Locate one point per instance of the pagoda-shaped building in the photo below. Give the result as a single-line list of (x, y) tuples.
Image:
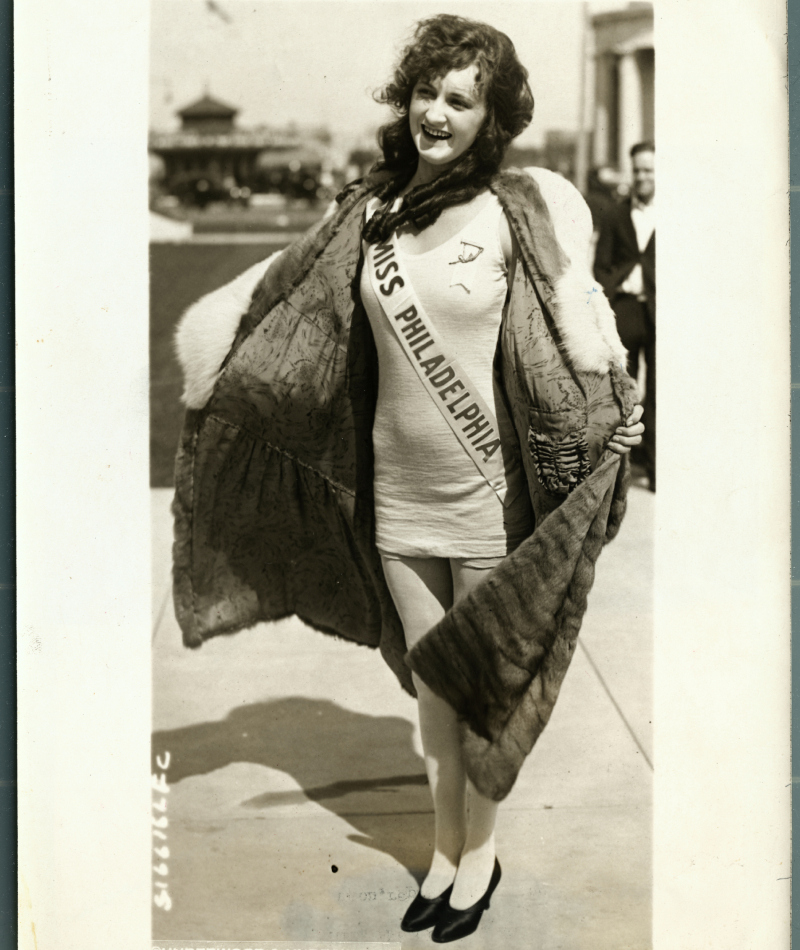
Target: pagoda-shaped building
[(209, 147), (208, 115)]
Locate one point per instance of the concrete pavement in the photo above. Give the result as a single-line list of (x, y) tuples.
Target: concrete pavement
[(299, 810)]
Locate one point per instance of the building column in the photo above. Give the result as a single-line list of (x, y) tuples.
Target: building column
[(601, 123), (582, 156), (630, 108)]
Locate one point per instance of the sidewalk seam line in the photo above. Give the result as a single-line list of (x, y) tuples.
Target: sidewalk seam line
[(160, 616), (614, 703)]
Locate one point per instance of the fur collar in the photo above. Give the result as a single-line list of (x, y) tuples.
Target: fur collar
[(207, 329), (549, 214)]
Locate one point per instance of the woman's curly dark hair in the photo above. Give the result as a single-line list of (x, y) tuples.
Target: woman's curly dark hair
[(441, 44)]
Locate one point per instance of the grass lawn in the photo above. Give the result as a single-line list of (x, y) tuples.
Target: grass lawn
[(235, 219), (179, 275)]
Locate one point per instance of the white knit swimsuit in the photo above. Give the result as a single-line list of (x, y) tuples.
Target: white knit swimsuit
[(430, 498)]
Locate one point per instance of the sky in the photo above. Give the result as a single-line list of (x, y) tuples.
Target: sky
[(316, 62)]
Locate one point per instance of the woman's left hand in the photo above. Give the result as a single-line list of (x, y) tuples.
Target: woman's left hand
[(625, 437)]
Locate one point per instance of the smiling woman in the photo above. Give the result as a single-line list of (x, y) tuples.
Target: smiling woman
[(415, 439), (463, 78), (445, 116)]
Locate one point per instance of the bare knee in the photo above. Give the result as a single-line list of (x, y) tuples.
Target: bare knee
[(430, 700), (422, 591)]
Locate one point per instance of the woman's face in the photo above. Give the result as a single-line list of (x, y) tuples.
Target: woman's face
[(445, 116)]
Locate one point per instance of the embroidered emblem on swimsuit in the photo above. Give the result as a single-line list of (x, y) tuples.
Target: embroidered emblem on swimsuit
[(469, 253)]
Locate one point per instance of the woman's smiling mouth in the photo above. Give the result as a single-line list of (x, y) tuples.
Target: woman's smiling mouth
[(438, 134)]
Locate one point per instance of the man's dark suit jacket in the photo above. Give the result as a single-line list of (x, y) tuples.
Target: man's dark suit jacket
[(618, 253)]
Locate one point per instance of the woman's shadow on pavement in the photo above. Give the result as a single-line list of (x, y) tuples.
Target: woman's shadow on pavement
[(362, 768)]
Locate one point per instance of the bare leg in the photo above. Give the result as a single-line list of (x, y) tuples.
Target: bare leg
[(422, 590), (478, 856)]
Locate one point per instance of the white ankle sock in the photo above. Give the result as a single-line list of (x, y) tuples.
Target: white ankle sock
[(473, 877), (440, 876)]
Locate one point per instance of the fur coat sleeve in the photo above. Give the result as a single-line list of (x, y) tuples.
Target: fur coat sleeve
[(586, 321)]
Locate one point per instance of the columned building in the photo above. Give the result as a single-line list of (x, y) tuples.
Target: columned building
[(624, 74)]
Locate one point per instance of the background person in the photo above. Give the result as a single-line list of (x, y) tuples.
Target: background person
[(625, 264)]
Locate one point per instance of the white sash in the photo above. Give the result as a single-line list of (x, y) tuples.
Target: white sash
[(450, 388)]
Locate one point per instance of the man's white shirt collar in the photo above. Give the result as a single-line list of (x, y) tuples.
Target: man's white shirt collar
[(644, 221)]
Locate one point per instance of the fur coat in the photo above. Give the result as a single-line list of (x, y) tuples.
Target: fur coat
[(273, 508)]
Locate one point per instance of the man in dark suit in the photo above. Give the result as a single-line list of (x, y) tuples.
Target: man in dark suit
[(625, 264)]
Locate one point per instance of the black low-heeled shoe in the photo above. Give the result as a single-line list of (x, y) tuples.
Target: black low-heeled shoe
[(423, 912), (454, 924)]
